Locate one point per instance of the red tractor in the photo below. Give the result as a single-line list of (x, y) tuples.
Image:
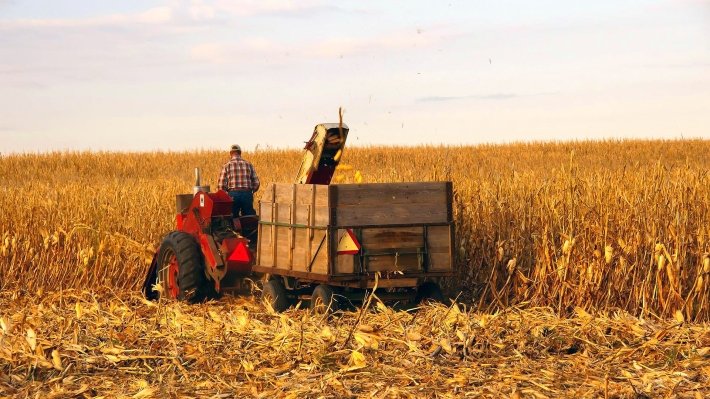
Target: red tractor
[(209, 251)]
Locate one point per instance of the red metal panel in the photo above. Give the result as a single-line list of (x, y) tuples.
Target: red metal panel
[(179, 221), (207, 252), (221, 203)]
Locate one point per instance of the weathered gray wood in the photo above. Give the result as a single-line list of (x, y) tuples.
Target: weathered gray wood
[(283, 192), (379, 194), (300, 248), (440, 261), (347, 264), (299, 210), (389, 214), (392, 237), (265, 256), (402, 262), (439, 236), (439, 247), (308, 193), (274, 230), (320, 259)]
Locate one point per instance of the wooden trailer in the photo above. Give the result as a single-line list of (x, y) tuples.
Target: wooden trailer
[(327, 243)]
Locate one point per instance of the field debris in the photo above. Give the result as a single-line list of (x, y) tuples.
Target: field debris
[(106, 344)]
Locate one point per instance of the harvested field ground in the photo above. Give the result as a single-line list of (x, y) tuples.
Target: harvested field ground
[(78, 344)]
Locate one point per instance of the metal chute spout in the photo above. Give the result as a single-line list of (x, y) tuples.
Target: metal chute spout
[(322, 153), (198, 183)]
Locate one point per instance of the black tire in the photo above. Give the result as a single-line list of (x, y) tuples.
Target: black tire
[(192, 284), (323, 300), (275, 294), (429, 292)]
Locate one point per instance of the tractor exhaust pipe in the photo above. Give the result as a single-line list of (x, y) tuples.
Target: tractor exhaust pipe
[(198, 185)]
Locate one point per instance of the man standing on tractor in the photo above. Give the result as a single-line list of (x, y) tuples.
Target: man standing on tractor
[(239, 180)]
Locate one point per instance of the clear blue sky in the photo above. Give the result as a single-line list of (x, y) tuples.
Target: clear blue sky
[(185, 74)]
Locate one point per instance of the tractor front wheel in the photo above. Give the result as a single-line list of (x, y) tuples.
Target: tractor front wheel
[(181, 269)]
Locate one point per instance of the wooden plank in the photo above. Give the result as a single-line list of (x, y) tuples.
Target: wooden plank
[(266, 246), (381, 283), (291, 233), (301, 247), (309, 238), (439, 236), (268, 195), (321, 216), (282, 247), (318, 216), (392, 237), (393, 282), (384, 215), (347, 264), (308, 193), (265, 211), (332, 232), (320, 261), (301, 262), (439, 247), (304, 192), (283, 215), (440, 261), (259, 245), (283, 193), (405, 263), (385, 194), (274, 216), (292, 273)]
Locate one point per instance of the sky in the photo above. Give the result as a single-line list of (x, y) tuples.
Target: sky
[(202, 74)]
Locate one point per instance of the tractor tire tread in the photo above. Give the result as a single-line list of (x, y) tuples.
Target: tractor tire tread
[(193, 284)]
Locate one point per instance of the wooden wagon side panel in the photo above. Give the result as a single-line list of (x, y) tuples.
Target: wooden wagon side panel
[(292, 232), (390, 204), (403, 227), (265, 245)]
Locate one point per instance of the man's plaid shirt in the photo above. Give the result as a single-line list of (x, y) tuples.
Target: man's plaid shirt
[(238, 174)]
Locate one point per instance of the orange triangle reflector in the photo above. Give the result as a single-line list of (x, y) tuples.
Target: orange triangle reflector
[(348, 244), (240, 253)]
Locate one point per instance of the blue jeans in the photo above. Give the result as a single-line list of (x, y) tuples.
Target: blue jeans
[(243, 204)]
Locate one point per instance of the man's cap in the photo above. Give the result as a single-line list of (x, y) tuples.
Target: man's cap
[(235, 147)]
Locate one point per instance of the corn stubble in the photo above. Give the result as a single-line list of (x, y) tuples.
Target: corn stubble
[(104, 344), (544, 234)]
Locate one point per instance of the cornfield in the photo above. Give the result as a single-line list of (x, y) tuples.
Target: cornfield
[(562, 248)]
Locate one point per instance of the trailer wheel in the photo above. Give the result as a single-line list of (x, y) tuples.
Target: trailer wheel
[(323, 301), (275, 294), (430, 292), (181, 270)]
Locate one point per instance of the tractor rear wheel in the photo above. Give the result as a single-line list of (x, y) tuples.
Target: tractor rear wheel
[(323, 300), (429, 292), (181, 271), (274, 293)]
